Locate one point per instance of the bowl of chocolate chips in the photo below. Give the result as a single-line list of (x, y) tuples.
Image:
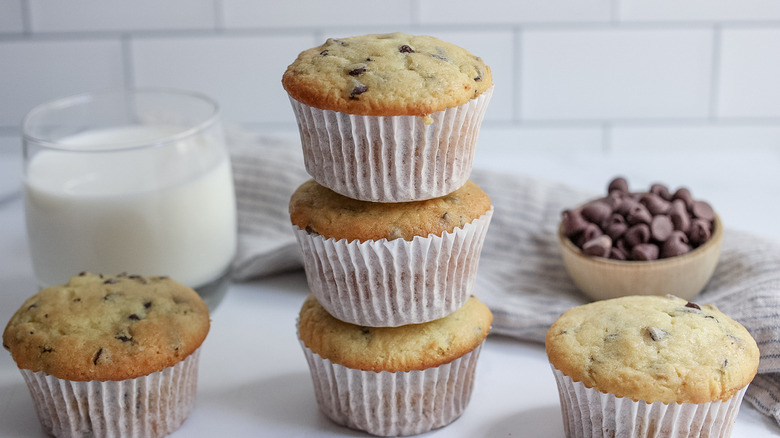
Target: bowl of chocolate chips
[(653, 242)]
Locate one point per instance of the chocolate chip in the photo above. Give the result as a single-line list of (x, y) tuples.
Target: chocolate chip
[(638, 234), (684, 195), (97, 356), (692, 305), (615, 226), (625, 205), (365, 330), (76, 300), (644, 252), (590, 232), (147, 304), (679, 215), (655, 204), (32, 306), (699, 232), (655, 333), (675, 245), (617, 254), (661, 190), (111, 281), (324, 52), (405, 49), (358, 90), (124, 338), (311, 230), (598, 247), (618, 184), (134, 317), (573, 222), (596, 211), (702, 210), (661, 228), (638, 214), (82, 273), (46, 349), (357, 71)]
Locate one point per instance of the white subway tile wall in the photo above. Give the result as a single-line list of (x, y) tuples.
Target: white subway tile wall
[(606, 77)]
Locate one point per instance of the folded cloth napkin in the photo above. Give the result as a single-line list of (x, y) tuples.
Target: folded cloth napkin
[(521, 275)]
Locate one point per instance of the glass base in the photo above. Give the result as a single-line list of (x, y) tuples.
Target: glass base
[(214, 291)]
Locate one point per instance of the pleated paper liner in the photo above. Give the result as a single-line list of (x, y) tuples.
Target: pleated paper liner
[(391, 158), (589, 413), (393, 403), (388, 283), (149, 406)]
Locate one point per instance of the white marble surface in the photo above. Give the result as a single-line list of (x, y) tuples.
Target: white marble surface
[(254, 380)]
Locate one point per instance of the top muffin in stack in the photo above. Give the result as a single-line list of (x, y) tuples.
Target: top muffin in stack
[(391, 117)]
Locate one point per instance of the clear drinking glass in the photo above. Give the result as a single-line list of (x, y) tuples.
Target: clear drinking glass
[(135, 181)]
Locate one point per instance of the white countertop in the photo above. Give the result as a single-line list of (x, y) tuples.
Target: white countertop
[(254, 380)]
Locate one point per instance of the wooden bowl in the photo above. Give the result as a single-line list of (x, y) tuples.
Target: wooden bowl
[(684, 276)]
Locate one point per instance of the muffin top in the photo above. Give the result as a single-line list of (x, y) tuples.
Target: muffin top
[(322, 211), (653, 348), (386, 75), (403, 348), (99, 327)]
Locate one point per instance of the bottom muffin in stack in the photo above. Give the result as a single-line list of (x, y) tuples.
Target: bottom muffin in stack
[(393, 380), (650, 366), (110, 355)]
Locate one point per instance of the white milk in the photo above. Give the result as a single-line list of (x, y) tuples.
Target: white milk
[(137, 211)]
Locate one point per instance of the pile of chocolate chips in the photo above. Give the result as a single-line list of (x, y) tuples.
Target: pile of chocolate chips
[(639, 226)]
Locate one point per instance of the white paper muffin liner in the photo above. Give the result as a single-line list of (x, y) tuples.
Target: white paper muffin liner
[(391, 158), (154, 405), (388, 283), (590, 413), (390, 404)]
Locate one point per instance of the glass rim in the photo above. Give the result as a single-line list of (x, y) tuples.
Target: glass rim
[(85, 97)]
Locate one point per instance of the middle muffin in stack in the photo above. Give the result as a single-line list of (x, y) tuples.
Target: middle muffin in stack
[(390, 228)]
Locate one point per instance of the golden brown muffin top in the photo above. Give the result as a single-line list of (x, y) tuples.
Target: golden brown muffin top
[(317, 209), (99, 327), (653, 348), (404, 348), (386, 75)]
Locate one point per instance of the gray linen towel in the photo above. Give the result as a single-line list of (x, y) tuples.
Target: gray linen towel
[(521, 275)]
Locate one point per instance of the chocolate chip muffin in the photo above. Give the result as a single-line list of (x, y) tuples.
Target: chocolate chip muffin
[(380, 264), (390, 117), (393, 380), (319, 210), (386, 75), (650, 353), (128, 335)]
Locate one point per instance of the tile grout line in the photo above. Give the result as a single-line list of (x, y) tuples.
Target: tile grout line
[(26, 19), (516, 74), (717, 48), (127, 60)]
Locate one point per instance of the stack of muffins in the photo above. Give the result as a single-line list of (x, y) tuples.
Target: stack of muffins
[(390, 227)]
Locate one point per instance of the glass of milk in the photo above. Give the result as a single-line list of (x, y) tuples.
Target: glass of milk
[(135, 181)]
